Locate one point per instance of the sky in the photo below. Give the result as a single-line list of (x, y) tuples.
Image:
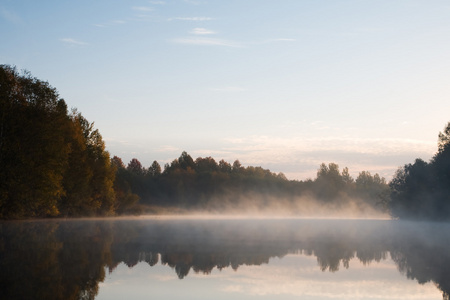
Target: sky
[(285, 85), (294, 276)]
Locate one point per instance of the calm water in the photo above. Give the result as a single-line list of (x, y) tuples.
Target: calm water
[(224, 259)]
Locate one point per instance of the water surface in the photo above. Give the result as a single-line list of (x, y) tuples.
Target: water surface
[(178, 258)]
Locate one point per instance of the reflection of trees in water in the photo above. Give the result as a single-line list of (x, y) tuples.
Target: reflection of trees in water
[(34, 251), (66, 260), (44, 260), (424, 255)]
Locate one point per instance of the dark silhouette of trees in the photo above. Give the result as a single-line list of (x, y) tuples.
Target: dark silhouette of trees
[(135, 167), (51, 162), (329, 183), (154, 170), (206, 165), (332, 186), (34, 147), (236, 166), (374, 189), (224, 166), (441, 168), (117, 162), (422, 190), (125, 198), (444, 139), (89, 178), (204, 184), (185, 161)]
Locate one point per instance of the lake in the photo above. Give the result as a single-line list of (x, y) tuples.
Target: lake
[(224, 258)]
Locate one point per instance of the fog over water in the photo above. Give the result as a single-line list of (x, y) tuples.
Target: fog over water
[(64, 259), (254, 205)]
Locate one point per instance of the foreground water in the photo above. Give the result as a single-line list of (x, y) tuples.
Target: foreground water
[(178, 258)]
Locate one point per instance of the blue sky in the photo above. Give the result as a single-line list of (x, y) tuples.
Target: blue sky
[(285, 85)]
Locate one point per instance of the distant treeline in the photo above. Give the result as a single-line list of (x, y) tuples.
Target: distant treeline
[(204, 184), (53, 163)]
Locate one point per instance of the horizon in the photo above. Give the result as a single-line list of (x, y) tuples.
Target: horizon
[(285, 86)]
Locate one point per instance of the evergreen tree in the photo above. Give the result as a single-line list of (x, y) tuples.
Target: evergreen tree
[(422, 190)]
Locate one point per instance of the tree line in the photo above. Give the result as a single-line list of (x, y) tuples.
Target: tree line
[(204, 184), (53, 163)]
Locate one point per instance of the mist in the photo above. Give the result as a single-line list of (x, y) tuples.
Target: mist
[(82, 252), (257, 205)]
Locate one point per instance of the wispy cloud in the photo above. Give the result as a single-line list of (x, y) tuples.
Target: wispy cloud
[(196, 19), (168, 148), (201, 31), (111, 23), (71, 41), (203, 41), (157, 2), (207, 42), (301, 156), (374, 146), (143, 8)]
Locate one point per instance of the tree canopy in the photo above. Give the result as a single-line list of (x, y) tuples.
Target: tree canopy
[(52, 162), (422, 190), (204, 184)]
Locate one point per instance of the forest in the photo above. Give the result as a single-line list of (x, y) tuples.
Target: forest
[(53, 163)]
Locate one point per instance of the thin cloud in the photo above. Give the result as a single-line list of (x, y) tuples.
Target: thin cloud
[(305, 154), (157, 2), (207, 42), (201, 31), (168, 148), (196, 19), (71, 41), (119, 21), (211, 152), (200, 41), (373, 146)]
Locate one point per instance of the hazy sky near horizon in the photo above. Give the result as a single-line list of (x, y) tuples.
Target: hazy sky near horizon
[(285, 85)]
